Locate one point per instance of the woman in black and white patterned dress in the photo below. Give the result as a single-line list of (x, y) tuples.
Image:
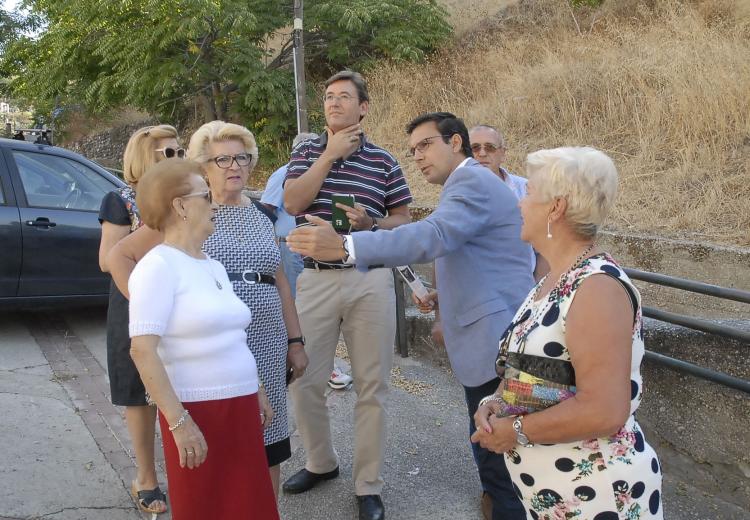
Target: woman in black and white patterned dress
[(244, 242)]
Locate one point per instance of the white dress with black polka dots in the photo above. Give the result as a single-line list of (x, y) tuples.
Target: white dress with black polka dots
[(615, 478), (244, 240)]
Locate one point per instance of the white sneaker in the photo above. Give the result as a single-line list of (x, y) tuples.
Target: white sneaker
[(339, 380)]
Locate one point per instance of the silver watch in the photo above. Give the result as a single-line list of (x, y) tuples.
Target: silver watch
[(520, 436)]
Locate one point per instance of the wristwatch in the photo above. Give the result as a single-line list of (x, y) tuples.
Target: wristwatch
[(520, 436), (298, 339), (374, 226)]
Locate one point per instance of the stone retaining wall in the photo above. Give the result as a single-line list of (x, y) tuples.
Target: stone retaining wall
[(107, 147)]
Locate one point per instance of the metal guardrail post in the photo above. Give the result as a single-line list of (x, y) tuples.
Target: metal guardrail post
[(401, 338)]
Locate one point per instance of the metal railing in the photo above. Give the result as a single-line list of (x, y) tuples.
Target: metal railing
[(682, 320), (691, 322)]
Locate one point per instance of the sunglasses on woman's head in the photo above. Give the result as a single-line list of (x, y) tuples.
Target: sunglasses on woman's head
[(170, 152)]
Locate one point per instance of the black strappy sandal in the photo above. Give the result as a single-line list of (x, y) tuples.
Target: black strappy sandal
[(146, 497)]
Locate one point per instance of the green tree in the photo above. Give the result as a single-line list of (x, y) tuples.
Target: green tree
[(167, 57)]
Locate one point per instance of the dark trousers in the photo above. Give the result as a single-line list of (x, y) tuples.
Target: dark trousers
[(492, 471)]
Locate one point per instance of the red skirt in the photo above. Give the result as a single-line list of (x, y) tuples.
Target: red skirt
[(233, 483)]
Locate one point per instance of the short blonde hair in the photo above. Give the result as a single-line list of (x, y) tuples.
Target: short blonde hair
[(218, 131), (160, 185), (584, 176), (139, 153)]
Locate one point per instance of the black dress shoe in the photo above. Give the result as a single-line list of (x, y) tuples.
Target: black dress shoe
[(370, 507), (305, 480)]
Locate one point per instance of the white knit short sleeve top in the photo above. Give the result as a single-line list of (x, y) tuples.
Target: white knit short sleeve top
[(189, 303)]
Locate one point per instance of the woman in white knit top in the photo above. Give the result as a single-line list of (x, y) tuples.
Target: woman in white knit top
[(189, 345)]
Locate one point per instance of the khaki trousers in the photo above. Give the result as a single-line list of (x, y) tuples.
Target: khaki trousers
[(362, 306)]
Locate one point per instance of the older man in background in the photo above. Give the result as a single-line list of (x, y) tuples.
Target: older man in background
[(488, 147)]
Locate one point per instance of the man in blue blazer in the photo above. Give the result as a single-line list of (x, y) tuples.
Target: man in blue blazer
[(482, 266)]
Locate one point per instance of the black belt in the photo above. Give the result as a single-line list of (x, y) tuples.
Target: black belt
[(251, 278), (312, 264)]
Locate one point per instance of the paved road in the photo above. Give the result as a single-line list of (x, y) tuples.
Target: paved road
[(67, 456)]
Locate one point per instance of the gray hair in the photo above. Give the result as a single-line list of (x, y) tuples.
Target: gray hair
[(500, 136), (584, 176), (302, 137)]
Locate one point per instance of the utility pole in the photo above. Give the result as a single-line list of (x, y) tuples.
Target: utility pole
[(299, 68)]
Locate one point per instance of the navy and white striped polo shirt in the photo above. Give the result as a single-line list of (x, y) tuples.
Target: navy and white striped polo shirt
[(371, 174)]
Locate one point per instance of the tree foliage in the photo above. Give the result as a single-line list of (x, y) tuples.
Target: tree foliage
[(170, 56)]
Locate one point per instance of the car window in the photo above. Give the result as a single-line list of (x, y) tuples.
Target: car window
[(51, 181)]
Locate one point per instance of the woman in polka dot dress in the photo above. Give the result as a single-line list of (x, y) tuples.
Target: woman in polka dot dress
[(584, 458)]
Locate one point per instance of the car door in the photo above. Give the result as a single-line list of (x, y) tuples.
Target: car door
[(59, 200), (10, 235)]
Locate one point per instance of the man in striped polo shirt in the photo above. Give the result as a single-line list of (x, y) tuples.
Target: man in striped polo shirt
[(333, 297)]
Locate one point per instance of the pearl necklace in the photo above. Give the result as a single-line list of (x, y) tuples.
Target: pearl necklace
[(210, 269)]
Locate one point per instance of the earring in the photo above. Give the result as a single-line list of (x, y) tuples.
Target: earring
[(549, 232), (184, 218)]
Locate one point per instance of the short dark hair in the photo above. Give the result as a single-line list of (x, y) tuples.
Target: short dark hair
[(447, 125), (354, 77)]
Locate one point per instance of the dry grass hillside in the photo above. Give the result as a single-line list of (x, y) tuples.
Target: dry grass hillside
[(663, 86)]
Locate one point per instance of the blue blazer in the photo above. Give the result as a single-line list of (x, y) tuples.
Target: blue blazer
[(483, 267)]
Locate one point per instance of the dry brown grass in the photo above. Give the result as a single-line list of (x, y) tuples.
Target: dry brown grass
[(663, 86)]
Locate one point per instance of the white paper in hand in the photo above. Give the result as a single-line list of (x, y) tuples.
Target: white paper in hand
[(413, 281)]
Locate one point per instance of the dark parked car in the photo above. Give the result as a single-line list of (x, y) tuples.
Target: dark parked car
[(49, 231)]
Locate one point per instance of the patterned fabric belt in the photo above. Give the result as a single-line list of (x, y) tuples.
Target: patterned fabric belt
[(251, 278)]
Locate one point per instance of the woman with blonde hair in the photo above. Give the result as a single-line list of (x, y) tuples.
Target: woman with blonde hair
[(119, 217), (244, 242), (564, 414), (190, 346)]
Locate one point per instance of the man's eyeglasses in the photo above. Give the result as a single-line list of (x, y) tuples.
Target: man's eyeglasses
[(488, 147), (225, 161), (170, 152), (205, 194), (422, 145), (343, 98)]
